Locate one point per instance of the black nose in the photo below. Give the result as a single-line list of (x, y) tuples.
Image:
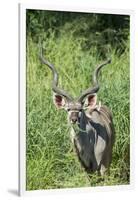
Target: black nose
[(74, 120)]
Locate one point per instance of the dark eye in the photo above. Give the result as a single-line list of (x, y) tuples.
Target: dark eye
[(68, 109)]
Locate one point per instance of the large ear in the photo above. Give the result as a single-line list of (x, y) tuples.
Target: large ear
[(90, 101), (59, 101)]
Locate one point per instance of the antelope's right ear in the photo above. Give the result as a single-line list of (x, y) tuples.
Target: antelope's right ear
[(59, 101)]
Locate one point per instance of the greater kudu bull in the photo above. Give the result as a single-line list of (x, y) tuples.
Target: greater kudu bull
[(92, 130)]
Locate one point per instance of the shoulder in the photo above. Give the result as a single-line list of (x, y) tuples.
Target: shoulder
[(104, 110)]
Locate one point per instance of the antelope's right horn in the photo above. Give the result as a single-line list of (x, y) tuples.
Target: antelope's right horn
[(55, 87)]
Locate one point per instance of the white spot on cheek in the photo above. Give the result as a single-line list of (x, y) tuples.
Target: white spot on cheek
[(72, 134), (79, 114)]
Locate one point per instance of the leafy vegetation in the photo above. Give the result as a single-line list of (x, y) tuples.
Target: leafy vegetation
[(75, 44)]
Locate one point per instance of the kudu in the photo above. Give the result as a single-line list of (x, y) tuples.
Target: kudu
[(92, 130)]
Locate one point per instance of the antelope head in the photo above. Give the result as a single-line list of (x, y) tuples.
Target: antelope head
[(74, 107)]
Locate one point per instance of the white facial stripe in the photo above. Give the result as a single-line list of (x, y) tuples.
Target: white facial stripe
[(71, 111)]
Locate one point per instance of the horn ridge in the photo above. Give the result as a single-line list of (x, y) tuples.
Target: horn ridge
[(96, 88), (55, 87)]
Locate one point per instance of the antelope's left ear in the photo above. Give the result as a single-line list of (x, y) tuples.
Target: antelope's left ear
[(90, 101)]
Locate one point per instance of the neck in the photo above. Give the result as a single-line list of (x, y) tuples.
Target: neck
[(81, 126)]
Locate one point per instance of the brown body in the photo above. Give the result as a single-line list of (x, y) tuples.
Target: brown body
[(92, 131), (95, 139)]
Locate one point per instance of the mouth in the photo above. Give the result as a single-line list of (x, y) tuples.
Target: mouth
[(75, 123)]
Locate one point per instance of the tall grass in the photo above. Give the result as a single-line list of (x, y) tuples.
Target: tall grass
[(51, 163)]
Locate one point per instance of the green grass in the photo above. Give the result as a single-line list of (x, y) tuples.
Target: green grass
[(51, 163)]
